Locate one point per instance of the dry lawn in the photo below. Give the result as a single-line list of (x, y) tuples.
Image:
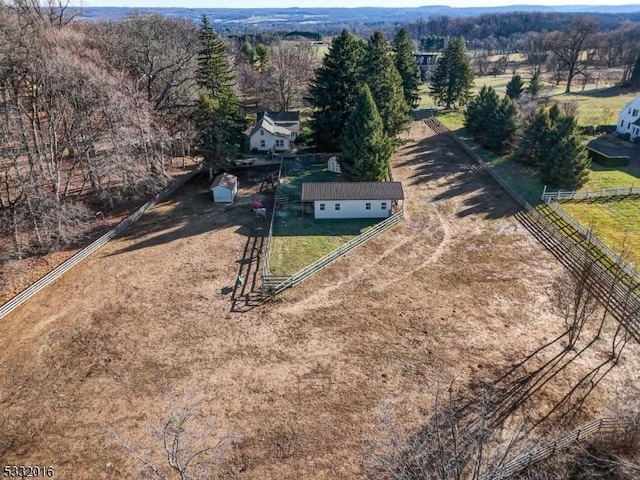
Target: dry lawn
[(458, 289)]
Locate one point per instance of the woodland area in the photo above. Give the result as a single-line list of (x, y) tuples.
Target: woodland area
[(93, 113)]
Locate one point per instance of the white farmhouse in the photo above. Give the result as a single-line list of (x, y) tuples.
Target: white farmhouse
[(629, 119), (352, 199), (224, 188), (275, 135)]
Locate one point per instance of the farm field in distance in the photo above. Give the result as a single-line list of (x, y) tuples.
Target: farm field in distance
[(458, 289)]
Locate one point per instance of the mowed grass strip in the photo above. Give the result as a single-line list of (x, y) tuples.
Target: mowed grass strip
[(616, 222), (298, 242)]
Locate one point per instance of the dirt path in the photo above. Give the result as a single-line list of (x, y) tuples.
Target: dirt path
[(457, 288)]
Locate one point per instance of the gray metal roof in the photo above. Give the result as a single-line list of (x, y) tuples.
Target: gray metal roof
[(268, 124), (352, 191), (225, 180), (282, 116)]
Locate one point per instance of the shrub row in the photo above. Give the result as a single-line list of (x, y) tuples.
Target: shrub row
[(606, 160)]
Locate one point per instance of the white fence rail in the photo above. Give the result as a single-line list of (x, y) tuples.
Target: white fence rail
[(539, 454), (64, 267), (590, 194), (275, 285)]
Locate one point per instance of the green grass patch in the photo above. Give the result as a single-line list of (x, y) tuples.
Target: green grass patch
[(598, 107), (298, 242), (603, 177), (616, 222)]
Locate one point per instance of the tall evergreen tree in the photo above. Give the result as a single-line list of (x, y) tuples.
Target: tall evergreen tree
[(566, 163), (503, 127), (535, 85), (515, 87), (452, 79), (214, 74), (407, 67), (634, 80), (218, 118), (381, 75), (479, 112), (530, 148), (334, 89), (366, 148)]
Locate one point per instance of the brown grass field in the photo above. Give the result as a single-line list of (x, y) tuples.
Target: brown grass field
[(459, 288)]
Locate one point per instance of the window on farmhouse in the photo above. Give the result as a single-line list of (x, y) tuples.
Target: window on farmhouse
[(383, 206), (367, 206), (322, 206), (262, 144), (337, 206), (261, 132)]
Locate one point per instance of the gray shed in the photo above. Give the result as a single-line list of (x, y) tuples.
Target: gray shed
[(224, 188)]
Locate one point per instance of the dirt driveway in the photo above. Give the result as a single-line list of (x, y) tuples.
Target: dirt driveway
[(458, 289)]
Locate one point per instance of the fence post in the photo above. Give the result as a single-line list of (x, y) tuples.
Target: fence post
[(544, 192)]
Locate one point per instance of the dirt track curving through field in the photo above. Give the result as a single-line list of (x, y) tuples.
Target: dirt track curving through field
[(456, 289)]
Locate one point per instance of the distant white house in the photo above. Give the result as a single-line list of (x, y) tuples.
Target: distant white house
[(275, 131), (352, 199), (629, 119), (224, 188)]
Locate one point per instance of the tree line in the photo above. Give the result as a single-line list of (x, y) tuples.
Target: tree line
[(361, 97)]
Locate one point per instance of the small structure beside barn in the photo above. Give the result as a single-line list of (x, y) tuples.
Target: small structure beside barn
[(353, 199), (629, 119), (224, 188), (333, 165)]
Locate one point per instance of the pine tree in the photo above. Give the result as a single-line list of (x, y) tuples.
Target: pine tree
[(566, 162), (214, 74), (479, 113), (503, 127), (385, 83), (407, 67), (218, 117), (334, 89), (366, 148), (535, 85), (515, 87), (452, 79), (634, 80), (530, 148)]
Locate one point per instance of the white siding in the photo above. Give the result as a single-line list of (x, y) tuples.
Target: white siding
[(224, 194), (629, 114), (352, 209), (269, 142)]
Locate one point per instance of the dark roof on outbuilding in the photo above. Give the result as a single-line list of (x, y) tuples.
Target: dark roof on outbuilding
[(352, 191)]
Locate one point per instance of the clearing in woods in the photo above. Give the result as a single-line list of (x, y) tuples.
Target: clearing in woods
[(458, 288)]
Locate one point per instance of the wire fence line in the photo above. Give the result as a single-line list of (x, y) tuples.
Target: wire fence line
[(590, 194), (275, 285), (87, 251), (534, 456)]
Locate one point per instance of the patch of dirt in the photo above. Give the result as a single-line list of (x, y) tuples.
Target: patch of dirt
[(459, 288), (17, 275)]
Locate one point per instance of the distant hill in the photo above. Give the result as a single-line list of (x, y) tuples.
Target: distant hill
[(242, 18)]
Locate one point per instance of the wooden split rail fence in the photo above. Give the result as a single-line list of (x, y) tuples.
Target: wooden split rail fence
[(591, 194), (274, 285), (267, 247), (539, 454), (610, 280), (64, 267)]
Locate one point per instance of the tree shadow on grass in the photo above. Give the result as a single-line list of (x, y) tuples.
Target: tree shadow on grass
[(440, 160)]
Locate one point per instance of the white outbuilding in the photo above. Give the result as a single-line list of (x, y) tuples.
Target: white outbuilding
[(629, 119), (353, 199), (224, 188)]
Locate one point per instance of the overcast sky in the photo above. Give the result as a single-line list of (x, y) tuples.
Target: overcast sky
[(337, 3)]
